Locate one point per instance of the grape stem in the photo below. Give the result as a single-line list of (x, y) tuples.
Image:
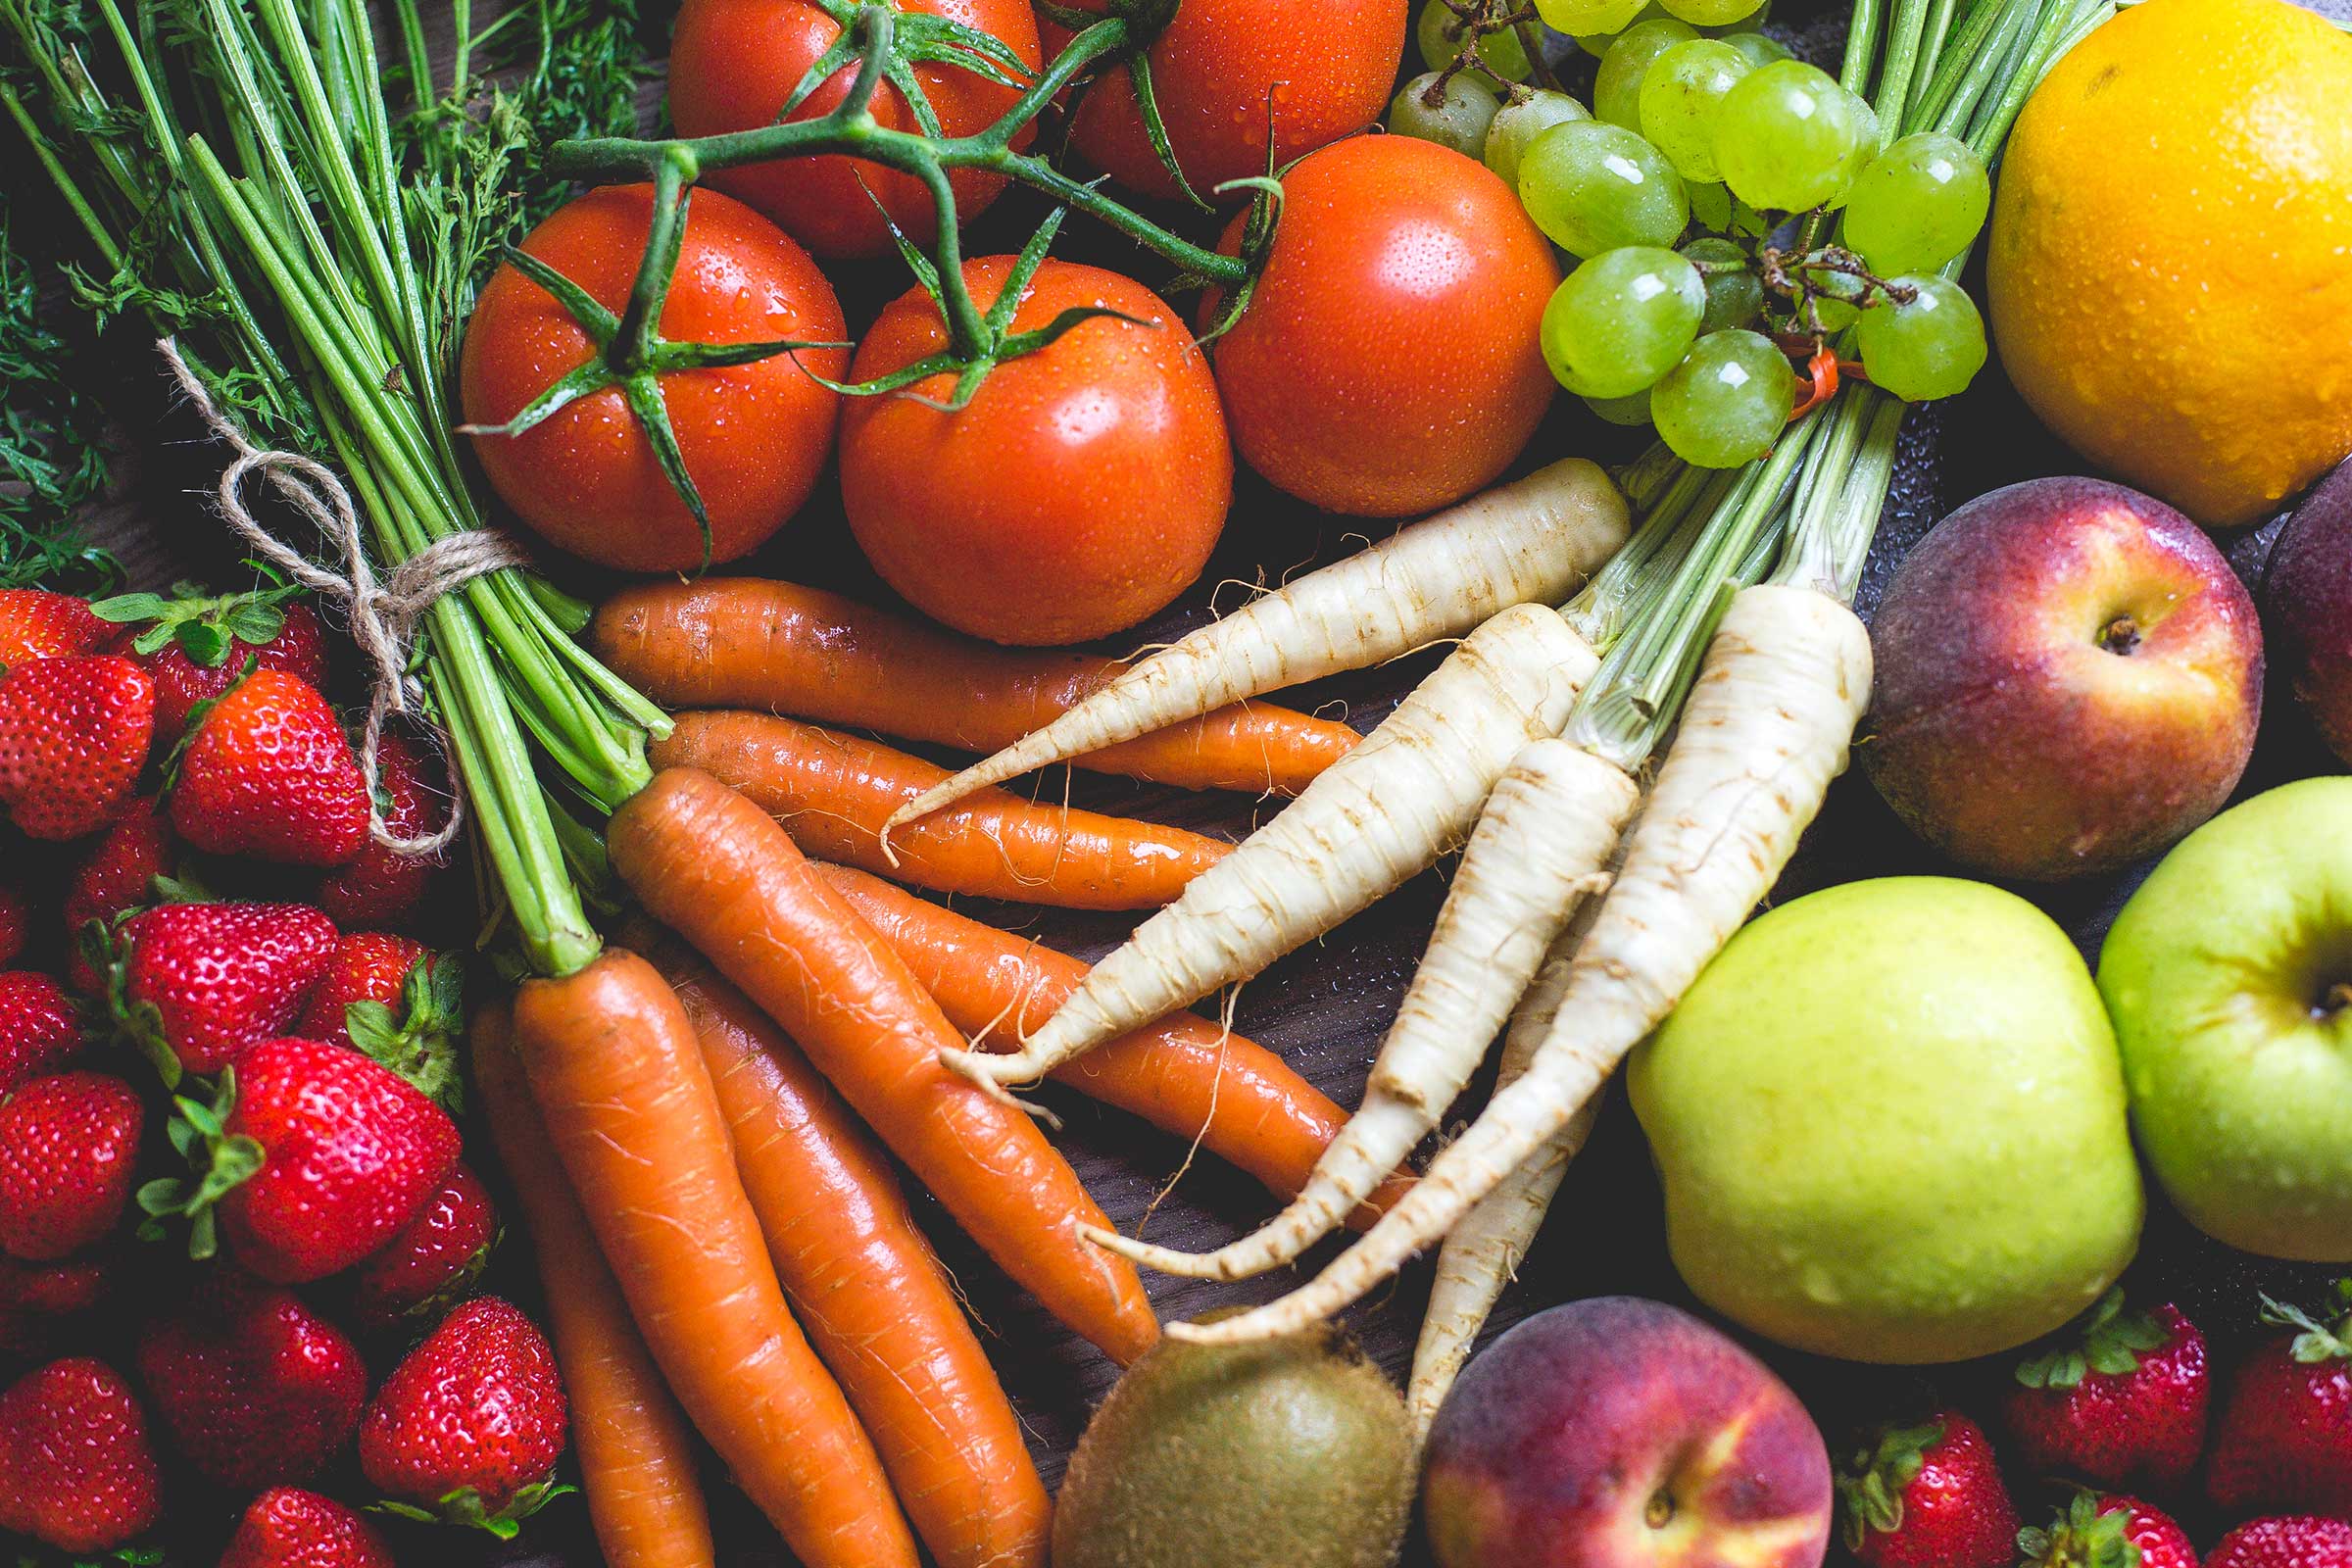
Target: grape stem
[(1474, 23)]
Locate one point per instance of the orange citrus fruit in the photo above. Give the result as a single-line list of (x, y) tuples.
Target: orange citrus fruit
[(2170, 260)]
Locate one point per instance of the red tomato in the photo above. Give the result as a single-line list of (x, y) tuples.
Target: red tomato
[(1388, 362), (1078, 492), (732, 64), (1326, 68), (755, 436)]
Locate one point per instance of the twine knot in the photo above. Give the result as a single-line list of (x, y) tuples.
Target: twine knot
[(382, 613)]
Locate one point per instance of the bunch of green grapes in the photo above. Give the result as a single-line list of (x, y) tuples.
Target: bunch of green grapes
[(1701, 150)]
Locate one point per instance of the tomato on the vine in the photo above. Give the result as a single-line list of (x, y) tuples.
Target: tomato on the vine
[(1080, 490), (1224, 70), (732, 64), (754, 437), (1388, 362)]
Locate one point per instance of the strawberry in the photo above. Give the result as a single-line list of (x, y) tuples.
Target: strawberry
[(67, 1147), (469, 1427), (2305, 1541), (35, 623), (381, 886), (2122, 1403), (311, 1155), (1929, 1496), (2283, 1441), (16, 923), (196, 647), (2109, 1531), (119, 877), (194, 985), (54, 1289), (253, 1387), (287, 1528), (389, 998), (430, 1263), (75, 1470), (74, 735), (39, 1030), (267, 771)]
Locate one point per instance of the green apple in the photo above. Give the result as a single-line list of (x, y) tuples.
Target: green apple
[(2229, 978), (1892, 1125)]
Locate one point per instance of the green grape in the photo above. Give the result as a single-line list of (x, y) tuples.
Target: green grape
[(1836, 300), (1588, 19), (1866, 147), (1596, 42), (1930, 348), (1617, 90), (1726, 402), (1734, 293), (1458, 120), (1783, 134), (1710, 12), (1621, 320), (1628, 411), (1594, 187), (1677, 100), (1759, 49), (1710, 205), (1439, 34), (1919, 204), (1517, 125)]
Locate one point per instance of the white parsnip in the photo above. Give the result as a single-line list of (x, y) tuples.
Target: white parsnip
[(1372, 820), (1533, 541), (1548, 829), (1768, 725)]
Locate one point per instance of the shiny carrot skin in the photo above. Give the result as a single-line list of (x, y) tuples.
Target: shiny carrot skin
[(875, 1303), (719, 870), (749, 642), (637, 1454), (1184, 1075), (833, 791), (617, 1074)]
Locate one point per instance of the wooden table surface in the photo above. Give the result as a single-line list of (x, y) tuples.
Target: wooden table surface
[(1327, 1007)]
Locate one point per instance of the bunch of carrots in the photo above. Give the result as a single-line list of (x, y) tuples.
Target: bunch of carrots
[(697, 1120)]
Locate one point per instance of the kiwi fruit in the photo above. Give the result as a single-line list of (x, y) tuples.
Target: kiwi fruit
[(1279, 1454)]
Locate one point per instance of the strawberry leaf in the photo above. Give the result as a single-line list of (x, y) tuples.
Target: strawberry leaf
[(1870, 1490), (2313, 1343)]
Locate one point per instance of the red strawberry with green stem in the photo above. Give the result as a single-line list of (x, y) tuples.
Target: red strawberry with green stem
[(389, 998), (435, 1261), (68, 1146), (1929, 1496), (2304, 1541), (2282, 1443), (193, 985), (381, 886), (119, 877), (289, 1527), (40, 1028), (252, 1387), (2123, 1402), (35, 623), (74, 735), (310, 1155), (197, 646), (470, 1425), (75, 1469), (2109, 1531), (267, 771)]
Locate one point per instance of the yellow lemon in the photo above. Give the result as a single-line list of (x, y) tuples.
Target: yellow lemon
[(2170, 260)]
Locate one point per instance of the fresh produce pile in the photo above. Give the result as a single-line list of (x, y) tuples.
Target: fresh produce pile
[(723, 1049)]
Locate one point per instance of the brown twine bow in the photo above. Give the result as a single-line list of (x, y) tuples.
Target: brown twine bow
[(382, 613)]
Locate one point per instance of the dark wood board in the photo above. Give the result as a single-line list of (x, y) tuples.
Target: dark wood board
[(1326, 1007)]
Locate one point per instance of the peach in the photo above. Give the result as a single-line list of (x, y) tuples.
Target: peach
[(1623, 1433), (2309, 589)]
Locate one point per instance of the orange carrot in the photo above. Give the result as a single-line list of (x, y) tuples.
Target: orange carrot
[(833, 792), (746, 642), (1183, 1074), (877, 1306), (712, 865), (637, 1457), (620, 1086)]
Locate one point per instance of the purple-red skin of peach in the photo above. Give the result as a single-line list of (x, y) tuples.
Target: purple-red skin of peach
[(2309, 589), (2006, 731), (1624, 1432)]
